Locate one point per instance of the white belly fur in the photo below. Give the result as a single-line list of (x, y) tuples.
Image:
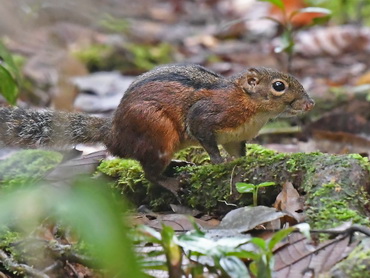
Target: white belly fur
[(246, 131)]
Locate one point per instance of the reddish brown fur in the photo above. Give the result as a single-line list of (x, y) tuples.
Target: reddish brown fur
[(172, 107)]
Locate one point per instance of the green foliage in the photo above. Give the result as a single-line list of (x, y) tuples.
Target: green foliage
[(146, 57), (9, 76), (287, 37), (131, 58), (26, 167), (94, 56), (226, 254), (277, 3), (243, 187), (346, 11), (88, 208)]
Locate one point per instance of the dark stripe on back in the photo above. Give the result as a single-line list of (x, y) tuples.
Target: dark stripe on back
[(193, 76)]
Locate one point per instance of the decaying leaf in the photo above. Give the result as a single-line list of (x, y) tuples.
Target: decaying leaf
[(82, 165), (247, 218), (179, 222), (290, 201), (300, 258)]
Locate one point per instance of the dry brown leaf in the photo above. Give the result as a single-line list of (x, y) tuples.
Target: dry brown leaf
[(179, 222), (290, 201), (299, 258)]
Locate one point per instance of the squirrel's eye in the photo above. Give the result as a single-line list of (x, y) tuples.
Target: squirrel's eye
[(278, 86)]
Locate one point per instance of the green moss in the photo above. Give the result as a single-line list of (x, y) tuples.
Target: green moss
[(364, 161), (203, 192), (330, 196), (196, 155), (146, 57), (26, 167), (130, 181), (332, 204), (94, 56), (7, 238), (331, 213), (131, 58), (128, 172)]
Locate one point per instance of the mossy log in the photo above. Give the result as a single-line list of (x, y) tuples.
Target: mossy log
[(335, 187)]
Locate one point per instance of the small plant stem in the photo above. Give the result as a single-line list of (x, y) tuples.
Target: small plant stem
[(255, 195)]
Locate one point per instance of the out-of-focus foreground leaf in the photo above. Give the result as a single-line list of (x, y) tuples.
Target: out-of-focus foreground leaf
[(87, 208), (9, 76)]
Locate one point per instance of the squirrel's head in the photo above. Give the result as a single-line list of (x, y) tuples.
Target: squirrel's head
[(275, 91)]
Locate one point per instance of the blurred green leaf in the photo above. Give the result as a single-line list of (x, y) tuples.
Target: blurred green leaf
[(265, 184), (243, 187), (263, 269), (8, 86), (287, 42), (277, 3), (322, 14), (321, 20), (86, 207), (9, 75), (234, 267), (8, 63), (314, 10), (261, 243), (244, 254), (279, 236), (148, 234), (196, 242)]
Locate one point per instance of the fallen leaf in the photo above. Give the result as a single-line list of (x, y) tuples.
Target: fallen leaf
[(290, 201), (72, 168), (247, 218), (299, 258)]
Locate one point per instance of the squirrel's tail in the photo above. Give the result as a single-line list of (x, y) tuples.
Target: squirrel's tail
[(29, 128)]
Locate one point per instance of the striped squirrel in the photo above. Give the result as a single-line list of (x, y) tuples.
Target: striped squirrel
[(167, 109)]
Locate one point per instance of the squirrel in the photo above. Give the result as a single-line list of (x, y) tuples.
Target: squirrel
[(167, 109)]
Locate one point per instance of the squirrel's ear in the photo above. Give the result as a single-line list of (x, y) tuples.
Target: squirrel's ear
[(249, 80)]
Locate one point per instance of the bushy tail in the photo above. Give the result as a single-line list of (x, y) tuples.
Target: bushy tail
[(29, 128)]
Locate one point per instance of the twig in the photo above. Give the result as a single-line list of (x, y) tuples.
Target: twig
[(60, 251), (347, 232), (13, 266), (72, 268), (66, 252), (52, 267)]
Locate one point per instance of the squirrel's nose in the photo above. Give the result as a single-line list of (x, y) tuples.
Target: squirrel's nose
[(309, 105)]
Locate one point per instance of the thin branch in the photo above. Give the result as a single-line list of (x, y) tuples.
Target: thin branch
[(13, 266)]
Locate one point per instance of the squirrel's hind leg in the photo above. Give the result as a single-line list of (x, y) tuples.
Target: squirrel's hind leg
[(156, 139)]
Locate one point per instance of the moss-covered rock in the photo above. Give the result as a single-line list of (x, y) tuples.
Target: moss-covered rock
[(335, 187), (26, 167)]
